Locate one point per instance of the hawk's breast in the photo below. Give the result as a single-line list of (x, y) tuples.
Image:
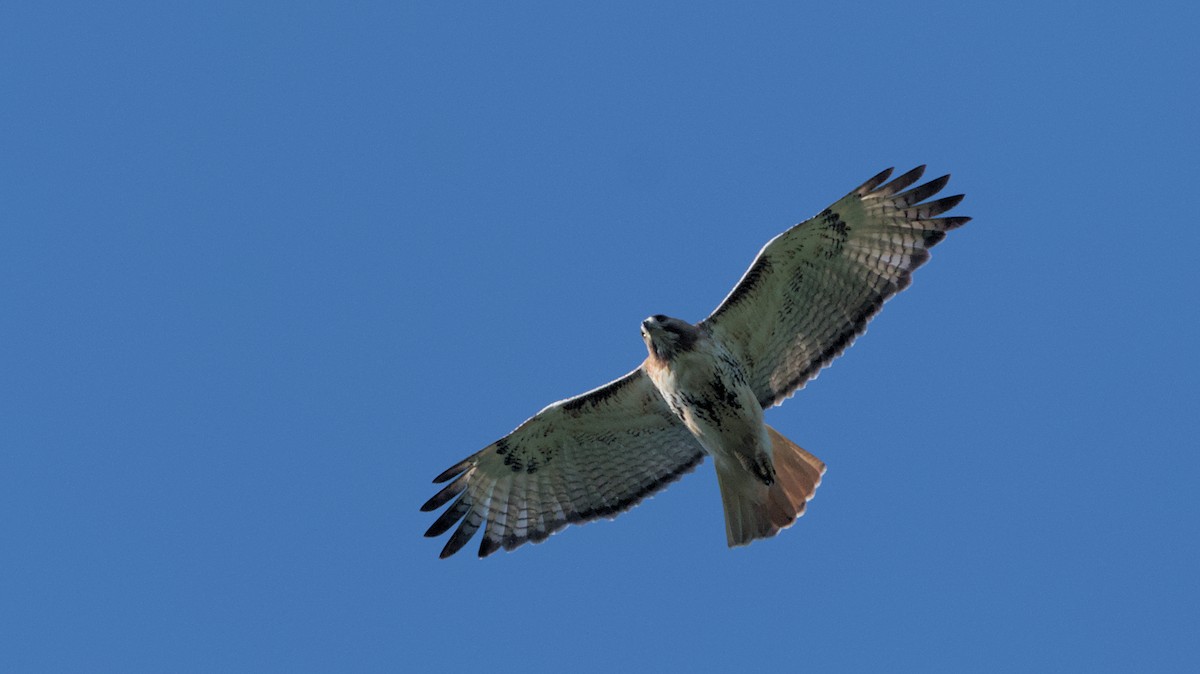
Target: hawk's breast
[(707, 389)]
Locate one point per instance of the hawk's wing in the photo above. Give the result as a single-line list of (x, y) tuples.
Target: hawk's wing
[(591, 456), (812, 289)]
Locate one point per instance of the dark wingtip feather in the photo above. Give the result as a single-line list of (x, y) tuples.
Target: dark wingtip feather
[(487, 546), (874, 182), (448, 517), (460, 537), (921, 192), (448, 492), (954, 222), (902, 182), (452, 471), (933, 208)]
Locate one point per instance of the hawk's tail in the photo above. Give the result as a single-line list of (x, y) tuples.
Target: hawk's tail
[(752, 509)]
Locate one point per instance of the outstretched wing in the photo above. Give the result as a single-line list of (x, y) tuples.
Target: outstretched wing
[(591, 456), (812, 289)]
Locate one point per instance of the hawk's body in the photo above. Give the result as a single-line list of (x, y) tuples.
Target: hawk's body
[(706, 387), (703, 388)]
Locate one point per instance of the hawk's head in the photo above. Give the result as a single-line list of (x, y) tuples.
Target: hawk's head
[(667, 337)]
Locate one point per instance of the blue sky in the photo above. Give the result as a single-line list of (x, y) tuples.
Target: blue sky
[(267, 269)]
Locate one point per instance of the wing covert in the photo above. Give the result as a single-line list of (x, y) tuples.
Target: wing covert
[(811, 290), (583, 458)]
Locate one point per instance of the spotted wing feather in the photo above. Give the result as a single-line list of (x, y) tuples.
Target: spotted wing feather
[(580, 459), (813, 288)]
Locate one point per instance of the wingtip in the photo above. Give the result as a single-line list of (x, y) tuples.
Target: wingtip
[(875, 181), (487, 546), (448, 517), (452, 471), (448, 492), (903, 181), (460, 537), (952, 200)]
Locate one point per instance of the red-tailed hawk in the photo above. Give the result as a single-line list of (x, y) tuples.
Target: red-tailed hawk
[(703, 388)]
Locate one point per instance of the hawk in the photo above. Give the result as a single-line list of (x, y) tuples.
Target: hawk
[(703, 388)]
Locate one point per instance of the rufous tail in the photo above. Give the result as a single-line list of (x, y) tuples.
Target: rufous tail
[(754, 510)]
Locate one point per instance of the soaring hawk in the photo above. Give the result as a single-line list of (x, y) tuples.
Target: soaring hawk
[(703, 388)]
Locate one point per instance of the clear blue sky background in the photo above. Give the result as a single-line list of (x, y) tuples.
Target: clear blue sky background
[(265, 270)]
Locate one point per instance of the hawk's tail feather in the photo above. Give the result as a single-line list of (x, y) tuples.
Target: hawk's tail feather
[(754, 510)]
